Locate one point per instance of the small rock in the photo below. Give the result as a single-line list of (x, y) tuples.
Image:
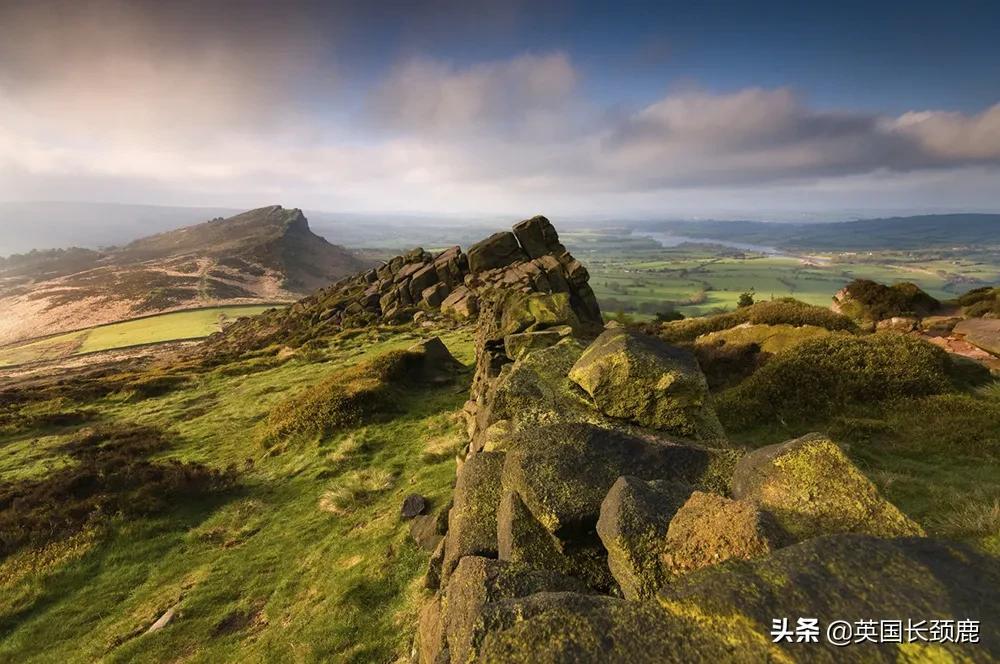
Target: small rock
[(163, 620), (413, 505), (424, 531)]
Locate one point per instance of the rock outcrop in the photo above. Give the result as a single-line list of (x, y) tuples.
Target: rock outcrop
[(598, 495), (550, 283)]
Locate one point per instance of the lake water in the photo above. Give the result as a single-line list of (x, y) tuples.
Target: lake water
[(670, 240)]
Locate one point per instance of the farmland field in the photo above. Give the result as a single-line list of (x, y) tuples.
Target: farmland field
[(636, 275), (173, 326)]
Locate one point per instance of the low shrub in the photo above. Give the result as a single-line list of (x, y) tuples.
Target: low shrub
[(57, 412), (820, 377), (870, 300), (770, 312), (355, 489), (111, 475), (980, 302), (728, 364), (948, 425), (347, 397)]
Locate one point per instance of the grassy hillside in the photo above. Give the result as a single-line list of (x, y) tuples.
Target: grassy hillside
[(305, 559), (153, 329)]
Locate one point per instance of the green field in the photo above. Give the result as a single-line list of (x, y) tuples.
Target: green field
[(636, 275), (173, 326)]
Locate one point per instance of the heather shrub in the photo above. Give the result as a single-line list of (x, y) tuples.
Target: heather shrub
[(820, 377)]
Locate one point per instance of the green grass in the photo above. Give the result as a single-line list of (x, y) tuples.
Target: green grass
[(173, 326), (637, 276), (307, 560)]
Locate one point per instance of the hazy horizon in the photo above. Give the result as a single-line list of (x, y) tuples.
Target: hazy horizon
[(575, 109)]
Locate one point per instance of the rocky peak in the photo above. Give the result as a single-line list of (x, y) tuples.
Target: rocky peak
[(452, 283)]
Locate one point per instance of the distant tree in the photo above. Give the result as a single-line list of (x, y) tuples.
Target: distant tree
[(668, 315), (746, 299)]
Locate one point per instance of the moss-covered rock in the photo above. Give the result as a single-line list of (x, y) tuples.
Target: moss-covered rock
[(430, 639), (709, 529), (472, 522), (522, 539), (477, 582), (536, 311), (519, 345), (812, 488), (535, 390), (633, 526), (770, 338), (848, 577), (564, 471), (640, 378), (568, 628)]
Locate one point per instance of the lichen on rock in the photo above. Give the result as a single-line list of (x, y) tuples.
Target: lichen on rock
[(472, 522), (709, 529), (640, 378), (633, 526), (812, 488)]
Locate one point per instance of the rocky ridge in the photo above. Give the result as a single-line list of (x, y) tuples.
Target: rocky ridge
[(454, 284), (598, 498)]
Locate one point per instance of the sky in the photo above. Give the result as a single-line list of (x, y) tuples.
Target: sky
[(778, 110)]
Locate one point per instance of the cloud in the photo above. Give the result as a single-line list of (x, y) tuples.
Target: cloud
[(139, 103), (86, 72), (954, 136), (527, 96)]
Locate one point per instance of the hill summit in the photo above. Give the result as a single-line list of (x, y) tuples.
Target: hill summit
[(264, 255)]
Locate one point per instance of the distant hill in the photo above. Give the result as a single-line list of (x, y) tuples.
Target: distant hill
[(919, 232), (264, 255), (41, 225)]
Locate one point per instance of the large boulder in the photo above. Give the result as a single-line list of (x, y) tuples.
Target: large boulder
[(472, 522), (538, 237), (563, 471), (569, 628), (537, 311), (522, 539), (633, 523), (849, 578), (709, 529), (519, 345), (498, 250), (640, 378), (812, 488), (981, 332), (477, 582), (535, 390), (461, 303), (437, 364)]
